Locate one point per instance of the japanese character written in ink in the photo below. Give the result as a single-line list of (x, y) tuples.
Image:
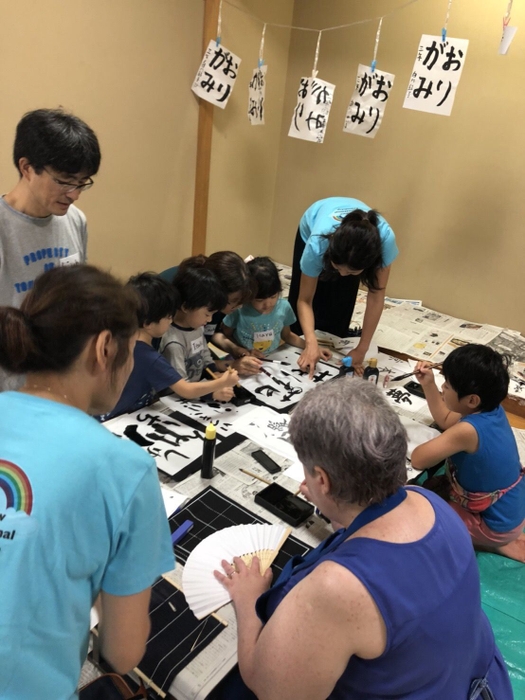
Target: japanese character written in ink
[(379, 93), (321, 376), (303, 88), (267, 390), (256, 107), (292, 391), (436, 50), (278, 425), (318, 120), (364, 84), (297, 114), (257, 81), (399, 396), (224, 60), (320, 92)]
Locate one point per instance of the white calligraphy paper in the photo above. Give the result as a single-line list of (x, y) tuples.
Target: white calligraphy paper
[(283, 384), (256, 95), (222, 415), (436, 73), (367, 106), (173, 444), (310, 117), (217, 74), (269, 429)]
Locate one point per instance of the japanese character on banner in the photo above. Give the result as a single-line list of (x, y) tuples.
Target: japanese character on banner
[(314, 101), (436, 73), (256, 94), (367, 106), (217, 75)]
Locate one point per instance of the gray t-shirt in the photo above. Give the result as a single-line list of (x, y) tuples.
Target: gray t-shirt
[(186, 350), (29, 246)]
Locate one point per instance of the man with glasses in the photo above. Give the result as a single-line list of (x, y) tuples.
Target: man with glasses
[(56, 155)]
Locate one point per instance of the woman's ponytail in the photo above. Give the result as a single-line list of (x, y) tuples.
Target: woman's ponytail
[(18, 349)]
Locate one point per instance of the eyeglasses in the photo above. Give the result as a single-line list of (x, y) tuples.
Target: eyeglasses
[(67, 186)]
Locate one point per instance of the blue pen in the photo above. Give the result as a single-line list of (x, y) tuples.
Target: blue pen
[(181, 532)]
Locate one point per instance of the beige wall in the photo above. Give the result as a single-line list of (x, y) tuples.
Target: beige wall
[(244, 157), (452, 188), (125, 66)]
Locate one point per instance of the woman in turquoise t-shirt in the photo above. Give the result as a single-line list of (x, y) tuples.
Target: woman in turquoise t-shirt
[(82, 507), (340, 243)]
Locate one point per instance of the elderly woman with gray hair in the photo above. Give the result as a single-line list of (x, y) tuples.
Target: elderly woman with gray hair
[(389, 605)]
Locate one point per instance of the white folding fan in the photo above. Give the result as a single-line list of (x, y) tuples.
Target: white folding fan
[(204, 594)]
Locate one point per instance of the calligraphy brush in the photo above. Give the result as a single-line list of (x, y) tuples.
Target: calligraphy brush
[(411, 374), (242, 395)]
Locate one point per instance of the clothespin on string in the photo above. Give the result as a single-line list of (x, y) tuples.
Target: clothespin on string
[(506, 17), (444, 30), (219, 25), (378, 34), (314, 69), (261, 47)]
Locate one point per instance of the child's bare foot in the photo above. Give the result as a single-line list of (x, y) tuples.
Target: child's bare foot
[(513, 550)]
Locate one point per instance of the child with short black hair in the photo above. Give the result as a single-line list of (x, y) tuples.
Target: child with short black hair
[(261, 325), (183, 344), (232, 273), (485, 484), (152, 373)]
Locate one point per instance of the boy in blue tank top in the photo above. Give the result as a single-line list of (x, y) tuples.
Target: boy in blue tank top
[(485, 484)]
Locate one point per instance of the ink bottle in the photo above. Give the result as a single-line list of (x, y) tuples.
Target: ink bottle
[(346, 369), (371, 373), (208, 452)]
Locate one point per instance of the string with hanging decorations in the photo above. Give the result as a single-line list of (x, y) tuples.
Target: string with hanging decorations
[(431, 88)]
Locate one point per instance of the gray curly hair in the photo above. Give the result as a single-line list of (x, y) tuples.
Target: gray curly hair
[(347, 428)]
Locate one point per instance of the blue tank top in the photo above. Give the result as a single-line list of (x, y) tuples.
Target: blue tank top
[(495, 465), (428, 593)]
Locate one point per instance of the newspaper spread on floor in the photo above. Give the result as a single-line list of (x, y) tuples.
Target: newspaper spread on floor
[(408, 327)]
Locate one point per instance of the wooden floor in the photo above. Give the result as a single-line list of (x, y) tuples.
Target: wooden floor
[(516, 421)]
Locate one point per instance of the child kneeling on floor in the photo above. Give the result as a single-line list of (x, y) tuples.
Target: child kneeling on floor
[(184, 345), (484, 477), (260, 326), (151, 371)]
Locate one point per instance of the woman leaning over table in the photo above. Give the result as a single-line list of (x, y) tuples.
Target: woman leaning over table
[(387, 607), (340, 242), (83, 508)]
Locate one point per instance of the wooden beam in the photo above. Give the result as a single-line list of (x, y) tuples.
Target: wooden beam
[(204, 137)]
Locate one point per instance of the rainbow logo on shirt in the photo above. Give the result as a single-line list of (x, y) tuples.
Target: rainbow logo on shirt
[(15, 484)]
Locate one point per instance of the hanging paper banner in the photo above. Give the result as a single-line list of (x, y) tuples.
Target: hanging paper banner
[(367, 106), (436, 73), (256, 94), (314, 101), (217, 74)]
